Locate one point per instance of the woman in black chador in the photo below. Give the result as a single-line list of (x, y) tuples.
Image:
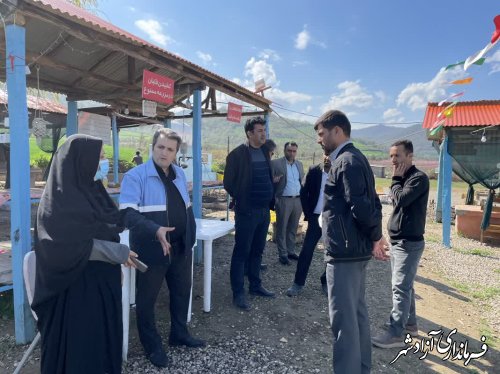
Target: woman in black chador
[(78, 256)]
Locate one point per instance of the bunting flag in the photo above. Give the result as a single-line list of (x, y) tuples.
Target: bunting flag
[(434, 131), (494, 39), (496, 33), (462, 81), (448, 111), (478, 62), (451, 97)]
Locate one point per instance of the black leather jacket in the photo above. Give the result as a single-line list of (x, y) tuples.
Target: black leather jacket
[(352, 217)]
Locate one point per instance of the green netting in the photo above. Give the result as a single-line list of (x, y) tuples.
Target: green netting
[(463, 174), (478, 154)]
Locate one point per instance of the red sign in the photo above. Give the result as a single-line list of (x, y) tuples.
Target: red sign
[(234, 112), (156, 87)]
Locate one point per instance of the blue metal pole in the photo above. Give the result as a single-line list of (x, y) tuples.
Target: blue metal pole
[(439, 194), (20, 211), (167, 123), (447, 179), (72, 118), (116, 148), (266, 117), (197, 172)]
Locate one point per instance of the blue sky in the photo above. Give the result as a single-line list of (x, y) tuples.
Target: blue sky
[(377, 60)]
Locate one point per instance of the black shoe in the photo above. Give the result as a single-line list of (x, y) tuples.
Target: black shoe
[(324, 288), (241, 302), (261, 291), (158, 358), (293, 256), (187, 341), (263, 266), (284, 260)]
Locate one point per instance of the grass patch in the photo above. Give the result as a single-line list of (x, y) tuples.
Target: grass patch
[(476, 292), (7, 305), (491, 338), (481, 252), (497, 271)]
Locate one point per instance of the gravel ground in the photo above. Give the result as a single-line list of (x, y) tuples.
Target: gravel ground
[(291, 335)]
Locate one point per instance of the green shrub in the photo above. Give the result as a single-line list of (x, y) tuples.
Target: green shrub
[(40, 162)]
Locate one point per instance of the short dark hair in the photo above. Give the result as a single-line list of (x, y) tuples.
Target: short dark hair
[(271, 145), (334, 118), (407, 145), (137, 153), (292, 144), (251, 122), (169, 134)]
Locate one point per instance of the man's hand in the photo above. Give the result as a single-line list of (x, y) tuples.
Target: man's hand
[(277, 178), (380, 248), (129, 261), (161, 235), (399, 170)]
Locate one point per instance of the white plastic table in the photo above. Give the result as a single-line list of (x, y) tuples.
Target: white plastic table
[(208, 230)]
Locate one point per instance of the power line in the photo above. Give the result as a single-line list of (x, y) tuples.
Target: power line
[(357, 122)]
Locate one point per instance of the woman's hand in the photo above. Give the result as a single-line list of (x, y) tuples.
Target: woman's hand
[(129, 261)]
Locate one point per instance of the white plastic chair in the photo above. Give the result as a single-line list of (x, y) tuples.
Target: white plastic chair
[(29, 270)]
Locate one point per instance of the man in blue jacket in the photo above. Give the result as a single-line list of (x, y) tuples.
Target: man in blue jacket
[(155, 206), (352, 233), (406, 227), (248, 180)]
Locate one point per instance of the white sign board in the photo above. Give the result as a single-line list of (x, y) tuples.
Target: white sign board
[(149, 108), (95, 125), (4, 138)]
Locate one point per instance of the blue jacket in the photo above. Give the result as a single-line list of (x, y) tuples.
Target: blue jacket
[(143, 203)]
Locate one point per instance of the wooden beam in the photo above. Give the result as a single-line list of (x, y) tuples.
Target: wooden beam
[(209, 115), (151, 57), (96, 65), (131, 70)]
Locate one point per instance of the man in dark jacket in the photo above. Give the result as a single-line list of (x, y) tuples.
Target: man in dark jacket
[(352, 232), (248, 179), (311, 198), (409, 192)]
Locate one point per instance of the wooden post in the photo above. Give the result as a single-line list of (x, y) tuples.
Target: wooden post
[(197, 172), (72, 118), (20, 209), (116, 149), (446, 174), (266, 117)]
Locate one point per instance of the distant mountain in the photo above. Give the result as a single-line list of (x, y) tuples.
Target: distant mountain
[(382, 136)]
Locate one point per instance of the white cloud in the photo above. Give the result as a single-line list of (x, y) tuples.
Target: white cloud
[(393, 115), (270, 54), (494, 60), (352, 96), (205, 57), (154, 30), (290, 97), (416, 95), (302, 39), (299, 63), (260, 69), (131, 8)]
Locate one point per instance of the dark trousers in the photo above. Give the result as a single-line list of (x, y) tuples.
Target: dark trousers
[(250, 239), (177, 273), (349, 319), (313, 235)]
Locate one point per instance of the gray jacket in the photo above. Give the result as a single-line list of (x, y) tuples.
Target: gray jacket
[(279, 168)]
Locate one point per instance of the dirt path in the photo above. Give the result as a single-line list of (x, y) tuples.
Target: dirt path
[(291, 335)]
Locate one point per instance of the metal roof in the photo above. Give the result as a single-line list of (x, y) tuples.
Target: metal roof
[(37, 103), (87, 58), (467, 113)]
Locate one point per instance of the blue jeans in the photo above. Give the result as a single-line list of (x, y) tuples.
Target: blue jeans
[(249, 241), (349, 319), (405, 256)]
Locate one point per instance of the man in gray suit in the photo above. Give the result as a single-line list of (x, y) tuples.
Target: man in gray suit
[(288, 173)]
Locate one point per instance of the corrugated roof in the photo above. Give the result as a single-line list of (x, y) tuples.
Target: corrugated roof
[(467, 113), (86, 18), (37, 103)]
